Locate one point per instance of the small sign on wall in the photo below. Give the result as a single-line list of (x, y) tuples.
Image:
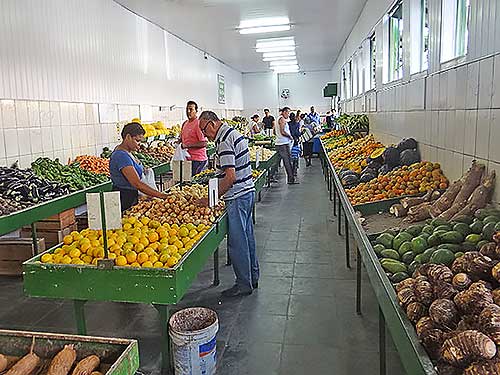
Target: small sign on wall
[(221, 86)]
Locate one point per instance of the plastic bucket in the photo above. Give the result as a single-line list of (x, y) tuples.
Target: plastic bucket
[(193, 332)]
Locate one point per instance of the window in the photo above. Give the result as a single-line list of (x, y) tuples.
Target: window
[(419, 31), (396, 43), (373, 61), (454, 29)]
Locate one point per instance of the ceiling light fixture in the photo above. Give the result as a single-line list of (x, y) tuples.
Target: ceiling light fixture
[(275, 42), (286, 69), (264, 29), (279, 58), (278, 54), (275, 49), (264, 21), (283, 63)]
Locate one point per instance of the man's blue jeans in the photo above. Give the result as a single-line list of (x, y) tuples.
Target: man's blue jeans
[(241, 240)]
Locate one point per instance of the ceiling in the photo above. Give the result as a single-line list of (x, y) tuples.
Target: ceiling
[(320, 27)]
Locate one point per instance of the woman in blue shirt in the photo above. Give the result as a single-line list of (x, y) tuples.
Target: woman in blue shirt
[(126, 171)]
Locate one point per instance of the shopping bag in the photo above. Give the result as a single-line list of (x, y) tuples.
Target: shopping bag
[(148, 177), (180, 153), (306, 135)]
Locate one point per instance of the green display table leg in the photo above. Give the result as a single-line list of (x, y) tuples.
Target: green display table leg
[(216, 267), (358, 281), (253, 214), (79, 307), (339, 216), (166, 364), (381, 337), (259, 196), (34, 238), (335, 200), (330, 185), (347, 245)]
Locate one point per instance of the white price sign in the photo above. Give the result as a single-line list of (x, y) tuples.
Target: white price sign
[(213, 192), (181, 170), (112, 208), (257, 158)]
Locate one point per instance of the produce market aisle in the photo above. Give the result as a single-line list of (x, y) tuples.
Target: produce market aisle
[(301, 320)]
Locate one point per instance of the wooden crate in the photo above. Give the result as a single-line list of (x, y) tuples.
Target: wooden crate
[(59, 221), (13, 252), (52, 237), (82, 222)]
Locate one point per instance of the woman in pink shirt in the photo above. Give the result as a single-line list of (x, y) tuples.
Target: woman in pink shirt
[(193, 139)]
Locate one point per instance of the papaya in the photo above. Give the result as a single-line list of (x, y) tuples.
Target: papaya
[(414, 230), (458, 255), (446, 228), (489, 230), (452, 237), (480, 244), (434, 240), (468, 246), (483, 213), (413, 266), (429, 229), (386, 240), (462, 228), (400, 239), (405, 247), (393, 265), (398, 277), (491, 219), (378, 248), (408, 257), (426, 255), (476, 227), (390, 253), (418, 245), (464, 219), (442, 256), (420, 259), (451, 246), (438, 221), (473, 238)]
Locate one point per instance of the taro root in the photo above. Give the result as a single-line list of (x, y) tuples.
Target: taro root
[(424, 324), (439, 272), (483, 368), (423, 270), (490, 250), (444, 290), (475, 264), (461, 281), (495, 271), (489, 321), (496, 237), (406, 296), (444, 313), (432, 340), (474, 299), (398, 210), (468, 322), (444, 368), (496, 296), (459, 264), (467, 347), (415, 311), (423, 292), (406, 283)]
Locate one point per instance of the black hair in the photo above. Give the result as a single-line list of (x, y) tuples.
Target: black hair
[(192, 102), (209, 115), (292, 117), (302, 116), (285, 109), (134, 129), (266, 109), (254, 116)]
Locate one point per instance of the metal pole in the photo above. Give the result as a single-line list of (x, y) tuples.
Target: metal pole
[(339, 216), (347, 245), (334, 200), (81, 326), (358, 281), (253, 214), (381, 342), (165, 339), (103, 223), (216, 267), (34, 238)]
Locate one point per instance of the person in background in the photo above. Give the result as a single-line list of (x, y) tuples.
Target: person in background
[(301, 122), (329, 120), (314, 116), (297, 115), (308, 146), (253, 126), (283, 141), (193, 139), (238, 191), (126, 171), (269, 122), (295, 148)]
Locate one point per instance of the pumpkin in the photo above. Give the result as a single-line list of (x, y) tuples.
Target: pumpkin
[(409, 157)]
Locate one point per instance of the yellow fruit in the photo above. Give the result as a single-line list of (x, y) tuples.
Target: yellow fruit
[(172, 232), (172, 240), (111, 242), (193, 233), (68, 239), (157, 264), (115, 249), (57, 258), (58, 251), (191, 226), (147, 264), (153, 237), (132, 220), (142, 257), (131, 256), (175, 226), (128, 246), (127, 226), (162, 233), (149, 251), (95, 243), (164, 257), (46, 258), (172, 261), (66, 259), (84, 247), (144, 241), (77, 237), (153, 258), (121, 261), (133, 239), (164, 240), (178, 244), (76, 261), (112, 256), (135, 264), (185, 240), (145, 220), (183, 232), (75, 253), (87, 259), (154, 224), (154, 245), (172, 249), (138, 247), (99, 252), (183, 251)]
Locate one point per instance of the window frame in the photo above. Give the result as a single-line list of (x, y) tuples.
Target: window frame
[(396, 47), (455, 29)]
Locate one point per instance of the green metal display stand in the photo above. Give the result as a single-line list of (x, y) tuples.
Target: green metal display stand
[(413, 356)]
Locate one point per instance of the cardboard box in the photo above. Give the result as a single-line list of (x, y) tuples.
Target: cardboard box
[(52, 237), (58, 222), (13, 252)]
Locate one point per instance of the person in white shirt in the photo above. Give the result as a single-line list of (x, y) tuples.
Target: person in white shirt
[(283, 142), (253, 126)]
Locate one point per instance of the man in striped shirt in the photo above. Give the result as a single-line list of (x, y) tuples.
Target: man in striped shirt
[(238, 191)]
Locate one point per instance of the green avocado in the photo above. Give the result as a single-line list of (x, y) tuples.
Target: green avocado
[(429, 229), (418, 245), (442, 256), (386, 240), (489, 230), (491, 219), (398, 277), (464, 219), (408, 257), (390, 253), (451, 246), (414, 230), (426, 255), (438, 221), (378, 248), (405, 247), (452, 237), (400, 239), (477, 227), (462, 228), (446, 228)]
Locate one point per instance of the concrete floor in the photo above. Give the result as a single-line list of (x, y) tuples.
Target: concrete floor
[(301, 320)]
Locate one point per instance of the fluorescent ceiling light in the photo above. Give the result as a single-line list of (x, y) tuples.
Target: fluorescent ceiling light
[(275, 49), (286, 69), (278, 54), (264, 21), (275, 42), (279, 58), (264, 29), (283, 63)]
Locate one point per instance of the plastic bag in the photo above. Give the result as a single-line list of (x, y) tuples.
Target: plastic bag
[(148, 177), (180, 153)]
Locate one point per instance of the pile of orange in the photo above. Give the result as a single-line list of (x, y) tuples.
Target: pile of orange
[(406, 180), (353, 156)]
